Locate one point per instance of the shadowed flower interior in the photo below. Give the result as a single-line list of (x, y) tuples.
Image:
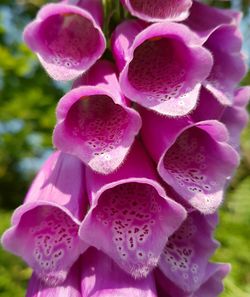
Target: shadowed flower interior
[(160, 9), (99, 124), (158, 69), (52, 240), (68, 40), (133, 223), (196, 167)]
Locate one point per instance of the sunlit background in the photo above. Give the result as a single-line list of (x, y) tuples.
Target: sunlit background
[(27, 115)]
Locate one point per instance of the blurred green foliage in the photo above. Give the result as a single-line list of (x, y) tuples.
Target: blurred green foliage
[(28, 98)]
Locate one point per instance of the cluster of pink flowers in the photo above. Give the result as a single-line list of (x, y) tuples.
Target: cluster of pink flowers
[(127, 204)]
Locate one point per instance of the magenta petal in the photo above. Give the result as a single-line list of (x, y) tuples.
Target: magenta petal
[(219, 30), (94, 123), (205, 19), (94, 7), (158, 10), (156, 74), (229, 63), (44, 229), (235, 117), (71, 287), (102, 277), (66, 38), (158, 132), (131, 217), (208, 107), (122, 38), (186, 254), (211, 286)]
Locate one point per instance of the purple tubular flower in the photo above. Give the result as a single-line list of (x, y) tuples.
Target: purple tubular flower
[(186, 254), (94, 122), (235, 117), (163, 64), (131, 217), (193, 158), (211, 286), (219, 30), (44, 229), (71, 287), (158, 10), (67, 38), (102, 277)]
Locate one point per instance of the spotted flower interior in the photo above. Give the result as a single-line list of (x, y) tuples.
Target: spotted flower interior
[(66, 38), (98, 131), (52, 240), (164, 71), (69, 40), (185, 256), (197, 167), (99, 123), (132, 223)]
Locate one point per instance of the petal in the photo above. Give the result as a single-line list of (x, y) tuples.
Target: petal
[(130, 217), (212, 285), (45, 228), (235, 117), (208, 107), (70, 287), (158, 132), (158, 10), (94, 123), (205, 19), (219, 30), (66, 38), (173, 89), (186, 254), (102, 277), (242, 96), (229, 63)]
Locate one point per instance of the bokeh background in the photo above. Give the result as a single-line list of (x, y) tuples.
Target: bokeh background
[(27, 115)]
